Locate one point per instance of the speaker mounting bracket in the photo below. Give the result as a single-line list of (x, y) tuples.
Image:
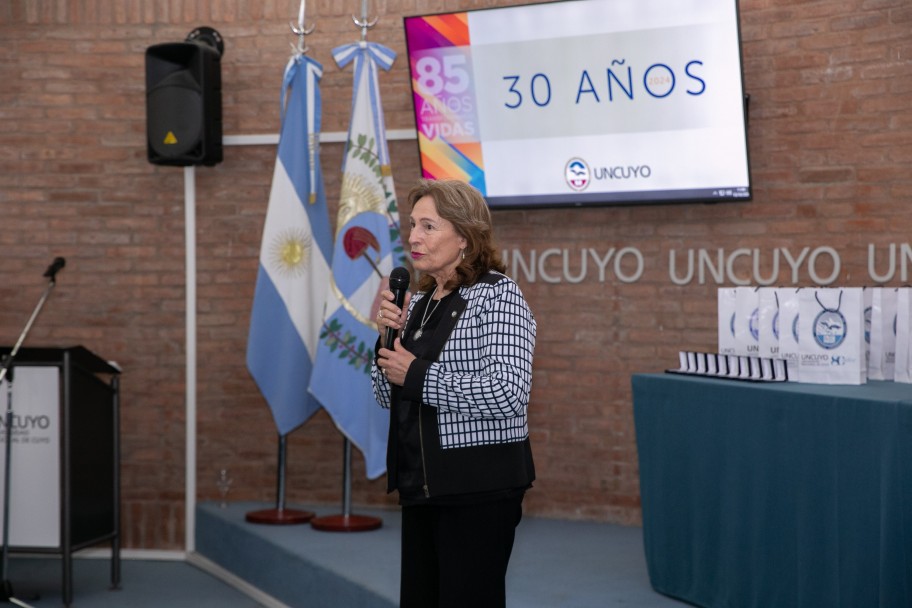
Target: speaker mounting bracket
[(208, 36)]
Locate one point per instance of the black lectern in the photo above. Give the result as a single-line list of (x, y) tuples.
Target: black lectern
[(89, 458)]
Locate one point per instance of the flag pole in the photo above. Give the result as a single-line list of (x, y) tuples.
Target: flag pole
[(290, 406), (346, 521), (364, 23), (280, 515)]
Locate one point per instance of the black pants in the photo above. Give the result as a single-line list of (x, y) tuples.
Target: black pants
[(457, 556)]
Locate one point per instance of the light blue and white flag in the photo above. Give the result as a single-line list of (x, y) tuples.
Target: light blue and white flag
[(368, 246), (295, 257)]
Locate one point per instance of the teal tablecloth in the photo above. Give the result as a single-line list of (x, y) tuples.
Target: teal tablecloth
[(776, 495)]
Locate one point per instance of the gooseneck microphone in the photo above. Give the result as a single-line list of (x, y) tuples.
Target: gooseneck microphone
[(399, 282), (54, 268)]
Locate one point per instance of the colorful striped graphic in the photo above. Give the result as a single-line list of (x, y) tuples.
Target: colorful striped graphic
[(440, 61)]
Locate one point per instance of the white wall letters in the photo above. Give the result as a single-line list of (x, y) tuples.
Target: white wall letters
[(821, 265)]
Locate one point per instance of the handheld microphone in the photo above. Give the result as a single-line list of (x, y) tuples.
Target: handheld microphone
[(54, 268), (399, 282)]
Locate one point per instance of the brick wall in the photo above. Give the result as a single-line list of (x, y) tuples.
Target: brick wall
[(830, 143)]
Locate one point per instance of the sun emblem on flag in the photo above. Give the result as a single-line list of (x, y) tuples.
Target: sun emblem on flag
[(358, 196), (290, 251)]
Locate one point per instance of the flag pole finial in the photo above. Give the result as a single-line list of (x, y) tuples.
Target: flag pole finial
[(301, 30), (364, 22)]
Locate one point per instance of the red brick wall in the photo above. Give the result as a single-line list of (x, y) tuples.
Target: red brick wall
[(830, 143)]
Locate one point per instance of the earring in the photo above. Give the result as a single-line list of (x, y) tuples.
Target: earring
[(463, 254)]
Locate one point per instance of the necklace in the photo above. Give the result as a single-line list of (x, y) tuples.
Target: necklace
[(425, 316)]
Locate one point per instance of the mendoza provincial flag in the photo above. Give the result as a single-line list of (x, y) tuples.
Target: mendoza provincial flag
[(368, 247), (295, 257)]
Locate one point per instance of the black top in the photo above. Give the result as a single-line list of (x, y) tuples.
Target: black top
[(409, 463), (410, 470)]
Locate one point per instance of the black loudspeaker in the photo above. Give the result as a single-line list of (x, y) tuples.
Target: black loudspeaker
[(184, 100)]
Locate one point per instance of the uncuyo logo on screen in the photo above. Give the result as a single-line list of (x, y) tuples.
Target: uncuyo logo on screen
[(577, 174)]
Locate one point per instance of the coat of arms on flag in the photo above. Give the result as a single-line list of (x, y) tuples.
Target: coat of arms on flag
[(367, 247)]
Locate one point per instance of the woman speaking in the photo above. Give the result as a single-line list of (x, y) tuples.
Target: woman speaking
[(457, 383)]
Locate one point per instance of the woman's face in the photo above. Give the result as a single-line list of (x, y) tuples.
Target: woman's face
[(435, 244)]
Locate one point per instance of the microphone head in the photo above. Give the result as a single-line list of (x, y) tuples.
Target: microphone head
[(55, 267), (399, 279)]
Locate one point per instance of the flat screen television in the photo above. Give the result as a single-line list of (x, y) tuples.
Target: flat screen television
[(583, 102)]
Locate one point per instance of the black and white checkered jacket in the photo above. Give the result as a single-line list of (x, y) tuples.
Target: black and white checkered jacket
[(475, 392)]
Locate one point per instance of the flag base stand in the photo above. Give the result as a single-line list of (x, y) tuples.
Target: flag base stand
[(280, 516), (346, 522)]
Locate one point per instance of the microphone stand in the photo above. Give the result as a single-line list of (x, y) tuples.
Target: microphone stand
[(6, 365)]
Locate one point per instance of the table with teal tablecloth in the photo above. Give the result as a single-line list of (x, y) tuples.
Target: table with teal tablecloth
[(774, 495)]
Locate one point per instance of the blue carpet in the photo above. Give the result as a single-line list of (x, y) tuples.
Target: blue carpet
[(144, 584), (555, 564)]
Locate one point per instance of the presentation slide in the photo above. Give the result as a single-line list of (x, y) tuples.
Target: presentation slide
[(583, 101)]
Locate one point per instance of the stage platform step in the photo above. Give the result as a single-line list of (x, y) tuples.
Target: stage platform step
[(300, 566), (556, 563)]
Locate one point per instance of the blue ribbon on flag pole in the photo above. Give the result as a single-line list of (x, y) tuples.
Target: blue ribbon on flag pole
[(367, 247), (295, 257)]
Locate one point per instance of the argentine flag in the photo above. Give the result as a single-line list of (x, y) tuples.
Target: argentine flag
[(295, 257), (368, 247)]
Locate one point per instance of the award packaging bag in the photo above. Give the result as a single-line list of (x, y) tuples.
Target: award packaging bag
[(902, 371), (726, 312), (867, 294), (747, 321), (882, 333), (769, 322), (789, 350), (831, 336)]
